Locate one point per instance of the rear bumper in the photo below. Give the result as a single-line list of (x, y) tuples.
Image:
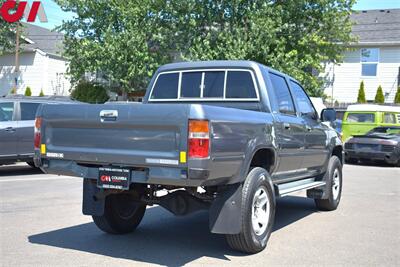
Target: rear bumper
[(160, 175), (389, 157)]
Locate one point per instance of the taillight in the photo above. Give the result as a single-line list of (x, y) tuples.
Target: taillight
[(38, 124), (199, 139)]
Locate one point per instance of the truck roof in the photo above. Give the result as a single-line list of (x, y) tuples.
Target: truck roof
[(209, 64), (372, 107), (215, 64)]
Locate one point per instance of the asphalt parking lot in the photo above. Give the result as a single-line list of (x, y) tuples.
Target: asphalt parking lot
[(42, 225)]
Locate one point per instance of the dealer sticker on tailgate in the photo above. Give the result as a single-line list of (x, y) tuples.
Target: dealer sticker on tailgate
[(114, 178)]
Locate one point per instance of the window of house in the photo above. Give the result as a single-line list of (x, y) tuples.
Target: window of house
[(369, 61), (282, 93)]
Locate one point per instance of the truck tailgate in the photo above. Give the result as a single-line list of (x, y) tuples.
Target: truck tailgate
[(122, 134)]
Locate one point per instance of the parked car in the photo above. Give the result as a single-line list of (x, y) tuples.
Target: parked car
[(227, 136), (17, 118), (359, 119), (379, 144)]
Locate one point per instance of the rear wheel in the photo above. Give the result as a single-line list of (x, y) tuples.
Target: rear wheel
[(334, 186), (122, 214), (258, 213)]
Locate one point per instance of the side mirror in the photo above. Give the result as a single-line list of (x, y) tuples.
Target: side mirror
[(328, 114)]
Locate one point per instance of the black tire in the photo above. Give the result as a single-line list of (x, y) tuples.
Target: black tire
[(248, 240), (122, 214), (333, 175)]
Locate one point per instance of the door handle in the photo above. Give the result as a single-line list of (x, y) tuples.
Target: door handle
[(308, 128), (10, 129), (286, 126), (108, 115)]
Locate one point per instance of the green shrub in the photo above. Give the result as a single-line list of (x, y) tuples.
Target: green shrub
[(41, 94), (379, 97), (28, 91), (13, 91), (90, 93), (397, 97), (361, 94)]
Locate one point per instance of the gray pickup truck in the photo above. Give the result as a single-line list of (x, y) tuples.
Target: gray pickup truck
[(226, 136)]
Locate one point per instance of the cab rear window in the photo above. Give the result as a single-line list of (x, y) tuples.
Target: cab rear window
[(205, 85), (166, 86), (361, 117)]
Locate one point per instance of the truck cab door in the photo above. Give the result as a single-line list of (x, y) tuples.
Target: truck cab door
[(8, 135), (316, 146), (289, 129), (290, 138)]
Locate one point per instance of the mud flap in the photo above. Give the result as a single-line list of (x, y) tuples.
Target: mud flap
[(225, 211), (321, 192), (90, 204)]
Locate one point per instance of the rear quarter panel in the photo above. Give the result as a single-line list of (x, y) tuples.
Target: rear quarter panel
[(235, 137)]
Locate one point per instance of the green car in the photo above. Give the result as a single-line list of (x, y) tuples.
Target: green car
[(359, 119)]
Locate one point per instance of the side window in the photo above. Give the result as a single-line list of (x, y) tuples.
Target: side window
[(191, 84), (361, 117), (282, 93), (389, 118), (6, 111), (239, 84), (301, 98), (28, 111), (166, 86)]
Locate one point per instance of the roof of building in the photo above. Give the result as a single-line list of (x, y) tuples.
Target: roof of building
[(381, 26), (43, 39)]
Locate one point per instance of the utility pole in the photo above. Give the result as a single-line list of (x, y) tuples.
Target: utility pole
[(17, 33)]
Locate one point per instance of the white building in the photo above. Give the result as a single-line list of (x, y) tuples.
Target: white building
[(41, 65), (374, 59)]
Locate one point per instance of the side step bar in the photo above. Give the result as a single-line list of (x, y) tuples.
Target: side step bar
[(288, 188)]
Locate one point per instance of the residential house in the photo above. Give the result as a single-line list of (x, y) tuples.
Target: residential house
[(41, 65), (374, 58)]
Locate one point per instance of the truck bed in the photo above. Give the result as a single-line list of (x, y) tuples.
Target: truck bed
[(148, 137)]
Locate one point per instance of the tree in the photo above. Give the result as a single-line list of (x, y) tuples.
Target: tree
[(7, 34), (291, 36), (116, 38), (41, 94), (90, 93), (379, 97), (361, 94), (127, 41), (397, 97), (28, 91)]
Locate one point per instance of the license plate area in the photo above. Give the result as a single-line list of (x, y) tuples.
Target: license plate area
[(114, 178)]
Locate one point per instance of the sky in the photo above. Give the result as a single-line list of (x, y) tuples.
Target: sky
[(55, 15)]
